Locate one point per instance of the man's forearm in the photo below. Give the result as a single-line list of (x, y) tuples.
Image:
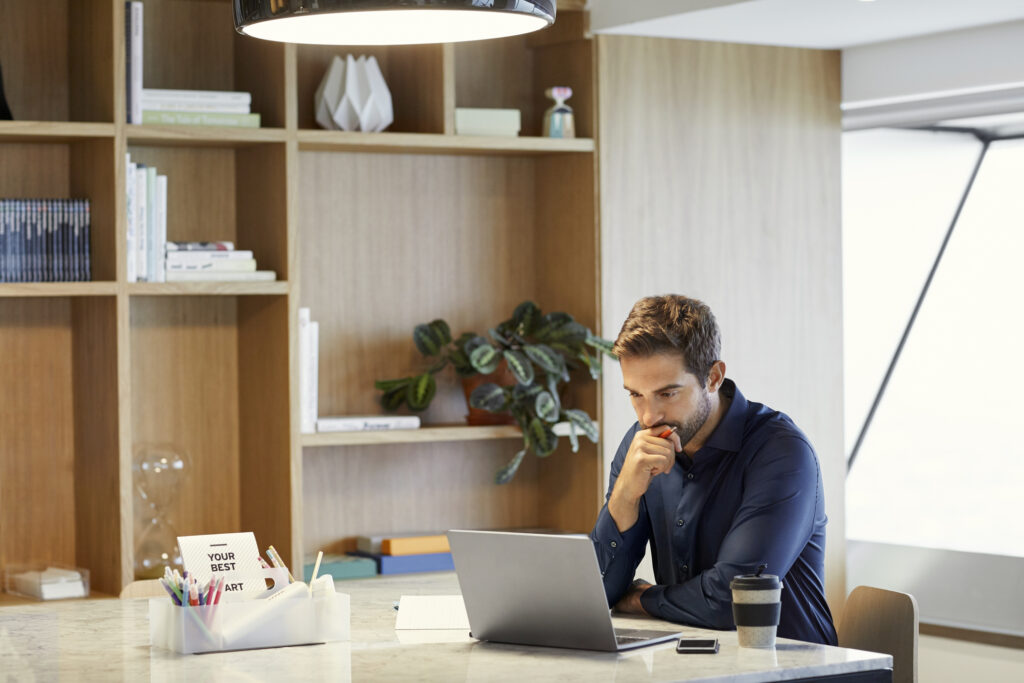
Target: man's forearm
[(624, 512)]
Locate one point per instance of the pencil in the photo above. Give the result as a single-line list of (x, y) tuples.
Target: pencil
[(275, 557), (316, 568), (665, 434)]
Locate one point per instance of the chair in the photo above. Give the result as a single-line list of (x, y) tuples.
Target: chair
[(148, 588), (883, 621)]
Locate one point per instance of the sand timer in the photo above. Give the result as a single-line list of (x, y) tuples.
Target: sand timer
[(158, 471)]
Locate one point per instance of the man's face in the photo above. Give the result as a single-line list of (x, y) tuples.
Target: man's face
[(663, 392)]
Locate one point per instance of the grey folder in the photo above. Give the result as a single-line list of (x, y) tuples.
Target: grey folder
[(539, 589)]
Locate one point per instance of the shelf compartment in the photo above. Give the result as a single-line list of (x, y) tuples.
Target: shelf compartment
[(193, 46), (427, 143), (209, 376), (202, 136), (59, 452), (58, 59), (226, 193), (432, 434), (80, 169), (414, 74)]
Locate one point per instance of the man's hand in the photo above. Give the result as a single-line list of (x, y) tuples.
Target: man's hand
[(649, 455), (630, 602)]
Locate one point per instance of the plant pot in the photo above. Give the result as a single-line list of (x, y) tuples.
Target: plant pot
[(502, 377)]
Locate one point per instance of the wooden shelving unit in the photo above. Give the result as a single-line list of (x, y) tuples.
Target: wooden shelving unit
[(374, 233)]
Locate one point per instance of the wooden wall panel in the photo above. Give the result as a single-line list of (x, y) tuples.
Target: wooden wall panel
[(180, 37), (37, 487), (720, 180), (184, 353), (34, 58)]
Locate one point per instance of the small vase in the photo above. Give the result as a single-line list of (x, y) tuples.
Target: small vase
[(502, 377)]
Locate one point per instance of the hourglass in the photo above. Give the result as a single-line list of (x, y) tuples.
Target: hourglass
[(158, 471)]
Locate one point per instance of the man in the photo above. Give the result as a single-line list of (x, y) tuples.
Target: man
[(737, 485)]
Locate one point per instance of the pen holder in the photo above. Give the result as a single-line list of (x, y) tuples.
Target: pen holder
[(249, 624)]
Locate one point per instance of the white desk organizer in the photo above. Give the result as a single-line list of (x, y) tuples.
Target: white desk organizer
[(288, 619)]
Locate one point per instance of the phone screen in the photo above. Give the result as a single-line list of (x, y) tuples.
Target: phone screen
[(697, 646)]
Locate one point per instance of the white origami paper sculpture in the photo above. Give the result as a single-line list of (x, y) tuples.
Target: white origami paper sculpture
[(354, 96)]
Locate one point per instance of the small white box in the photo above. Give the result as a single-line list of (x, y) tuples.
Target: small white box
[(505, 122), (47, 582)]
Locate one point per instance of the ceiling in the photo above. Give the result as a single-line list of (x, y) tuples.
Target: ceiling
[(822, 24)]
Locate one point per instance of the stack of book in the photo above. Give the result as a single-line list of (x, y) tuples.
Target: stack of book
[(175, 107), (212, 262), (406, 553), (44, 240), (342, 566), (146, 193)]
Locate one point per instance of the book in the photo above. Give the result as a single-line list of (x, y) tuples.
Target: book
[(313, 402), (134, 15), (415, 545), (307, 421), (220, 276), (247, 265), (208, 96), (160, 232), (374, 543), (220, 245), (130, 273), (342, 567), (202, 256), (195, 105), (469, 121), (141, 224), (200, 118), (409, 564), (365, 423)]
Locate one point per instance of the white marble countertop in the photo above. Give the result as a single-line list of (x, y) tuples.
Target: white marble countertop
[(108, 640)]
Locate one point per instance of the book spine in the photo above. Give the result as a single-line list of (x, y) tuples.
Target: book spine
[(220, 276), (314, 372), (86, 241), (151, 228), (209, 256), (128, 61), (365, 424), (158, 250), (212, 107), (306, 423), (415, 545), (141, 231), (136, 61), (406, 564), (3, 240), (199, 118), (217, 266), (235, 97), (130, 247), (201, 246)]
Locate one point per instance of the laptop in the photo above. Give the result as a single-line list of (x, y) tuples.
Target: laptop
[(539, 589)]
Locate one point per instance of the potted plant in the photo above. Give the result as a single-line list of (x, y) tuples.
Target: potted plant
[(540, 352)]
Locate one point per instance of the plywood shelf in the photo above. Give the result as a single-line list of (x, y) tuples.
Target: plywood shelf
[(56, 289), (54, 131), (433, 434), (206, 288), (202, 136), (430, 143)]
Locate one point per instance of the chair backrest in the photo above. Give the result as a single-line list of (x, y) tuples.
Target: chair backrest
[(148, 588), (883, 621)]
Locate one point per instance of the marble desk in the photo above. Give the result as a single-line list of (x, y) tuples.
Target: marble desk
[(108, 640)]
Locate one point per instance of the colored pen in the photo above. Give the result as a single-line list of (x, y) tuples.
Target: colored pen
[(193, 592), (665, 434), (275, 557), (170, 591), (220, 590), (209, 595)]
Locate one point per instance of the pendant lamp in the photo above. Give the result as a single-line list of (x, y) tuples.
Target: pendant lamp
[(389, 22)]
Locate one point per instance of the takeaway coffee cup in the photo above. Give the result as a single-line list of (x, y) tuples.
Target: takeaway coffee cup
[(756, 607)]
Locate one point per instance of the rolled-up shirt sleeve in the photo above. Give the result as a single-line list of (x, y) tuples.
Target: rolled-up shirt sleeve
[(772, 525), (619, 553)]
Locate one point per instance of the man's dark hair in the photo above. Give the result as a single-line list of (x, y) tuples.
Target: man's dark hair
[(672, 324)]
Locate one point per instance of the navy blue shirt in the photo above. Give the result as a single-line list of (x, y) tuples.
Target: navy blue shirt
[(751, 495)]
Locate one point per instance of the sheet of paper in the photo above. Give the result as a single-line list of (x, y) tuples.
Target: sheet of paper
[(431, 612), (234, 556)]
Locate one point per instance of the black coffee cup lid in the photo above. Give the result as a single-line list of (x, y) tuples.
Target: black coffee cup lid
[(753, 582)]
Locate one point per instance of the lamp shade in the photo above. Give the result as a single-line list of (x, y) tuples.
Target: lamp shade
[(389, 22)]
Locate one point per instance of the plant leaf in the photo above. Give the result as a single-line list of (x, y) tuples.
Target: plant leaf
[(550, 323), (520, 366), (525, 317), (546, 407), (498, 337), (393, 399), (568, 332), (489, 397), (420, 392), (582, 421), (546, 357), (389, 384), (506, 473), (426, 339), (442, 331), (603, 345), (484, 359), (541, 437), (573, 439), (553, 389)]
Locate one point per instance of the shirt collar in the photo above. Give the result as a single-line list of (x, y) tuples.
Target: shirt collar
[(728, 435)]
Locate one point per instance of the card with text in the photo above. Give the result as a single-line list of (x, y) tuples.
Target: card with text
[(234, 556)]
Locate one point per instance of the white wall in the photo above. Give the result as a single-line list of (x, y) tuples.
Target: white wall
[(941, 660)]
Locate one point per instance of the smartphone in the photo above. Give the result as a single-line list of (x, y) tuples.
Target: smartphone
[(697, 646)]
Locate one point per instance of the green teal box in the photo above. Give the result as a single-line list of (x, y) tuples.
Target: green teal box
[(342, 567)]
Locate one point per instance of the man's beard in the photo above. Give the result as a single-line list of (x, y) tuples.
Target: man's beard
[(687, 430)]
